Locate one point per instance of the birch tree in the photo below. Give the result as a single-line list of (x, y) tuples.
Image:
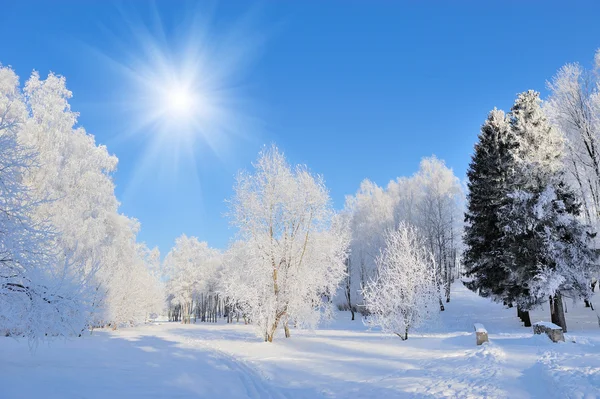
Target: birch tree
[(295, 257), (574, 108)]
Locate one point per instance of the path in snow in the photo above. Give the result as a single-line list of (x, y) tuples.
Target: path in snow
[(145, 362)]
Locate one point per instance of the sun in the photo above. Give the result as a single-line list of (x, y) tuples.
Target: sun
[(179, 102), (183, 90)]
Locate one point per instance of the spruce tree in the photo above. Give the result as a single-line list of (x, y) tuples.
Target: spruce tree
[(489, 174), (546, 246)]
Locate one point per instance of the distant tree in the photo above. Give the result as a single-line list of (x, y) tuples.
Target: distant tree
[(438, 217), (371, 214), (192, 268), (404, 294), (431, 200)]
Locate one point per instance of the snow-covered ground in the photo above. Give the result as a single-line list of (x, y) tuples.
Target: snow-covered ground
[(340, 360)]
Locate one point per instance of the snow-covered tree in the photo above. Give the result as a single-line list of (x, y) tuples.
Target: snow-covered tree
[(438, 215), (404, 294), (574, 109), (74, 186), (548, 245), (430, 200), (243, 294), (295, 257), (371, 214), (40, 297), (192, 268), (131, 290), (550, 248)]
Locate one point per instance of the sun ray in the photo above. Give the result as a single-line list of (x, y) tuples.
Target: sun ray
[(183, 87)]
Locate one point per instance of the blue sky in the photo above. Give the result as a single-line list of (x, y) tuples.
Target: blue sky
[(353, 89)]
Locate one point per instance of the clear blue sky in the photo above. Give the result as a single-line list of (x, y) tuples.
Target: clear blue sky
[(353, 89)]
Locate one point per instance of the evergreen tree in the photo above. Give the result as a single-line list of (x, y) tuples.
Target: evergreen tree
[(547, 248), (489, 174)]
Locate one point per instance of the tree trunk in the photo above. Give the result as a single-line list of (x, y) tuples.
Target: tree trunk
[(553, 317), (404, 336), (559, 311), (448, 282), (524, 316), (286, 328), (526, 319), (271, 331)]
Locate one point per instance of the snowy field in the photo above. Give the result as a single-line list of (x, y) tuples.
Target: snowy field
[(340, 360)]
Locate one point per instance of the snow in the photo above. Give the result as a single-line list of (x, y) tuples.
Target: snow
[(341, 360), (548, 324), (479, 328)]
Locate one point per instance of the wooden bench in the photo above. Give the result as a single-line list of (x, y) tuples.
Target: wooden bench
[(554, 332), (480, 333)]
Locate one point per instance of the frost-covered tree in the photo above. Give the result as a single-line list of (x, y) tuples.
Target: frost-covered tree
[(489, 181), (431, 200), (40, 297), (548, 246), (131, 290), (152, 287), (192, 268), (371, 214), (404, 294), (574, 109), (295, 249), (438, 216), (243, 293), (74, 187), (524, 239)]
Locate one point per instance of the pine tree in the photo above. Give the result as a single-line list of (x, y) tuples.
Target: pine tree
[(490, 172)]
